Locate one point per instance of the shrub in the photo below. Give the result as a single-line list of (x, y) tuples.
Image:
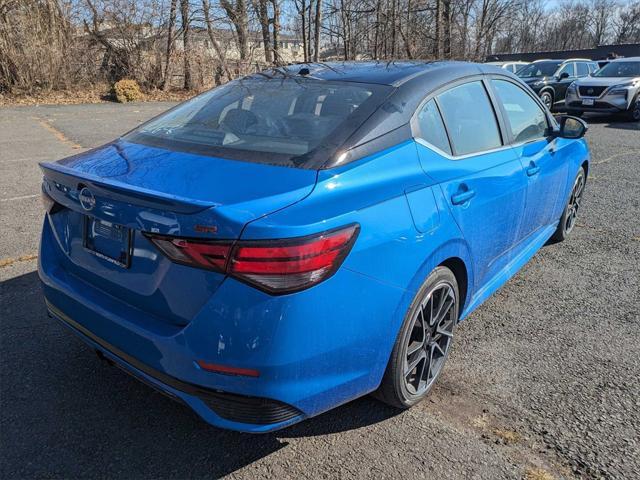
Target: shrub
[(126, 91)]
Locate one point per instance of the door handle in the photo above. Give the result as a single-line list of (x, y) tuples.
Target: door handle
[(462, 197), (532, 169)]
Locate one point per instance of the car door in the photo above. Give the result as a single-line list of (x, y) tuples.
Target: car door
[(563, 78), (582, 69), (460, 145), (527, 125)]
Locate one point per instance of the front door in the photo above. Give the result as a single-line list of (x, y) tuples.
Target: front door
[(546, 172), (481, 178)]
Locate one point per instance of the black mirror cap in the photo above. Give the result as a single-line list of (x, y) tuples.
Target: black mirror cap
[(571, 127), (564, 75)]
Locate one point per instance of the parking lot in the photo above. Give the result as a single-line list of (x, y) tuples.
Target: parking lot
[(543, 381)]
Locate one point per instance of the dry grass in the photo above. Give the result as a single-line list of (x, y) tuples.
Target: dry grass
[(507, 436), (5, 262), (537, 474), (99, 93)]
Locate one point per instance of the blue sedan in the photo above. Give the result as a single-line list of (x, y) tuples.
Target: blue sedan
[(303, 236)]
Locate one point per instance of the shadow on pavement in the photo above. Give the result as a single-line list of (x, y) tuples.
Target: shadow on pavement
[(64, 413), (612, 121)]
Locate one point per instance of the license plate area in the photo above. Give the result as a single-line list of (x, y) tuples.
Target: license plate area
[(109, 241), (587, 101)]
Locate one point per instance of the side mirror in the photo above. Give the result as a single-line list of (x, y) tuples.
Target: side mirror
[(571, 127), (564, 75)]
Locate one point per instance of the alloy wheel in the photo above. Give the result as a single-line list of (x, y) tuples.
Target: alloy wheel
[(547, 100), (429, 339), (636, 111), (574, 203)]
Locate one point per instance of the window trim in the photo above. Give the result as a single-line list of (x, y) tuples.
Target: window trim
[(561, 67), (444, 125), (536, 100), (508, 140), (482, 78), (586, 64)]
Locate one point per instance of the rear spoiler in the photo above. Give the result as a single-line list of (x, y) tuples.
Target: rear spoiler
[(73, 180)]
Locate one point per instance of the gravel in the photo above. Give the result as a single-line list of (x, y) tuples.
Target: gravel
[(543, 378)]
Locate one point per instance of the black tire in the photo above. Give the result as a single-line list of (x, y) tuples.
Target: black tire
[(547, 99), (633, 114), (570, 212), (401, 386)]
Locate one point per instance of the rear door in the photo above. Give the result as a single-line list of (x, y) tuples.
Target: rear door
[(527, 127), (481, 178), (560, 85)]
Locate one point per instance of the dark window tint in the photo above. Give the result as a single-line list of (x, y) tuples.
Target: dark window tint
[(539, 69), (470, 119), (620, 69), (525, 117), (583, 69), (269, 120), (566, 68), (431, 127)]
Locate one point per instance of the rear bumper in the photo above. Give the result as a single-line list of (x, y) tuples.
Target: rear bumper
[(314, 349), (236, 412)]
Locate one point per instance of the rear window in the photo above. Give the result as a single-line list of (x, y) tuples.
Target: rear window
[(266, 120)]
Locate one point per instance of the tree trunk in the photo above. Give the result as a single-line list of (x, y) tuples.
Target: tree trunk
[(446, 30), (276, 32), (303, 19), (318, 20), (166, 82), (216, 45), (260, 7), (186, 42), (437, 47), (237, 13)]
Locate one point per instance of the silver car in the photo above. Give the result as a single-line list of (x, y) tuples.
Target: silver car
[(612, 89)]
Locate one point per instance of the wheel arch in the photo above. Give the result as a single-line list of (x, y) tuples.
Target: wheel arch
[(453, 254), (550, 90), (460, 271)]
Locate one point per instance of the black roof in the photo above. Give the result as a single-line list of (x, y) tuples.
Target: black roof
[(379, 72), (408, 82)]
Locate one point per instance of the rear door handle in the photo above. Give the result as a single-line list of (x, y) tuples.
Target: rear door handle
[(462, 197), (532, 169)]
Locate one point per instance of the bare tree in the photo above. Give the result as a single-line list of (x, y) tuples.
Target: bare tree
[(237, 12), (170, 40)]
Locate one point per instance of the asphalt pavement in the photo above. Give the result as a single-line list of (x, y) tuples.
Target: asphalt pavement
[(543, 381)]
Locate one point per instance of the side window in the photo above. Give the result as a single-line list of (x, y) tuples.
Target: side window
[(470, 119), (583, 69), (593, 67), (431, 127), (567, 67), (525, 117)]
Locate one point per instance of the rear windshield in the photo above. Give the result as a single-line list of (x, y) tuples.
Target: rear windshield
[(266, 120), (539, 69), (619, 69)]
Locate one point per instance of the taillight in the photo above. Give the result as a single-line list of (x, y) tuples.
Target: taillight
[(275, 266)]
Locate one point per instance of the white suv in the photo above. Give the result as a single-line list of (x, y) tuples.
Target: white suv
[(612, 89)]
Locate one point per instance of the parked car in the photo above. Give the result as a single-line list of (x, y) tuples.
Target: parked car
[(513, 67), (551, 78), (615, 88), (325, 229)]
